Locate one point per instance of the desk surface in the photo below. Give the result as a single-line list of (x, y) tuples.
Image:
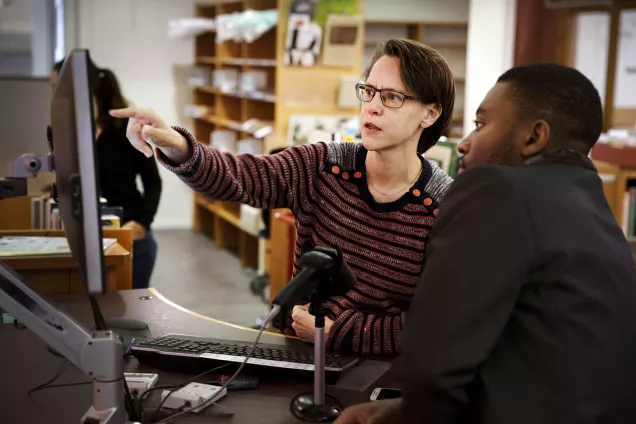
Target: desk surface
[(26, 363)]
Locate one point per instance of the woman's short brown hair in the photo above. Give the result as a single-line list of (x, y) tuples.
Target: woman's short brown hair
[(427, 76)]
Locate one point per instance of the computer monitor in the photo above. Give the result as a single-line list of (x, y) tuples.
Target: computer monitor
[(75, 162)]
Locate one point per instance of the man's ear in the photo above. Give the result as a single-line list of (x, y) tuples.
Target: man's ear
[(433, 114), (537, 139)]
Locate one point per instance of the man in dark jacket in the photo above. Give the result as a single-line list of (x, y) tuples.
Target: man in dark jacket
[(526, 310)]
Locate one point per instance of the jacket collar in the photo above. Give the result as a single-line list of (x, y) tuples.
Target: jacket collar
[(562, 156)]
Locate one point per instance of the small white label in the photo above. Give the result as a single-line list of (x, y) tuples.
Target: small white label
[(263, 362)]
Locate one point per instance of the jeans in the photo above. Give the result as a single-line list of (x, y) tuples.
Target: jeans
[(144, 257)]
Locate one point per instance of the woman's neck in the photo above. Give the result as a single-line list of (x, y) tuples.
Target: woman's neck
[(394, 169)]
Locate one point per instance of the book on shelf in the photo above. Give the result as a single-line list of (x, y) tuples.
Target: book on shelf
[(629, 213), (45, 214), (17, 246), (110, 221)]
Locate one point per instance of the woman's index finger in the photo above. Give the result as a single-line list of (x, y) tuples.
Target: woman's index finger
[(144, 116)]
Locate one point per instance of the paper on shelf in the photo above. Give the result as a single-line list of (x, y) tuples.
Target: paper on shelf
[(190, 27), (13, 246)]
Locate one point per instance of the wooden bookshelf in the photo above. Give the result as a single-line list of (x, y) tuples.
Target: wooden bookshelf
[(616, 164), (616, 182), (228, 111), (290, 90), (448, 38)]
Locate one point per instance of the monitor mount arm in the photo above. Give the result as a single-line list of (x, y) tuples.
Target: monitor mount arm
[(25, 167), (98, 354)]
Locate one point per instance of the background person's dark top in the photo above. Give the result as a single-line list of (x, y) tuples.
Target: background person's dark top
[(526, 310), (119, 165)]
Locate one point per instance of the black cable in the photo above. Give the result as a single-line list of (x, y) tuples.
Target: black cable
[(54, 352), (144, 396), (45, 385), (154, 416), (55, 386), (185, 384), (129, 404), (100, 322)]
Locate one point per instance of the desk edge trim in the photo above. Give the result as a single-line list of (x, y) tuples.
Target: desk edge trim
[(205, 317)]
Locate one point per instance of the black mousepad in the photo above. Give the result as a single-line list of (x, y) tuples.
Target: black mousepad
[(129, 329)]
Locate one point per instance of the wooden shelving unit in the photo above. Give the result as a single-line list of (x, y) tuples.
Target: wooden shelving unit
[(617, 180), (222, 221), (616, 164), (228, 111), (287, 93), (448, 38)]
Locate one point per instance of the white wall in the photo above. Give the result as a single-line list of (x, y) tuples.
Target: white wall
[(26, 37), (15, 38), (490, 51), (625, 91), (591, 54), (417, 10), (130, 37), (590, 48), (413, 11), (43, 37), (16, 17)]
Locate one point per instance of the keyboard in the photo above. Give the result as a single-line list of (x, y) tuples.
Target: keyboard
[(191, 354)]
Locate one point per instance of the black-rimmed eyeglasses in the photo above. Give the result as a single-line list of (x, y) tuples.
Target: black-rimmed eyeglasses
[(389, 98)]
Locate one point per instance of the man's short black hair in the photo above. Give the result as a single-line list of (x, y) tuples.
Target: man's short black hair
[(563, 97)]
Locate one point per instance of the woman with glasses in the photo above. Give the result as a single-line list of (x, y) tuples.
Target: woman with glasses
[(376, 200)]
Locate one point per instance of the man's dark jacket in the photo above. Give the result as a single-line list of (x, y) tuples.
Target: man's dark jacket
[(526, 310)]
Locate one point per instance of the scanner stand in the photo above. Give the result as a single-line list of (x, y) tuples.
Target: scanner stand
[(318, 406), (25, 167)]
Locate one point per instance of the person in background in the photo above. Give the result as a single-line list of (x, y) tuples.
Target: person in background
[(376, 200), (119, 166), (526, 309)]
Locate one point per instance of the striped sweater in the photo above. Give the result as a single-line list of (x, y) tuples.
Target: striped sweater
[(325, 187)]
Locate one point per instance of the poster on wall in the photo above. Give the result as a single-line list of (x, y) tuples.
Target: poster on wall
[(324, 8), (342, 40), (306, 26), (303, 7), (304, 38)]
